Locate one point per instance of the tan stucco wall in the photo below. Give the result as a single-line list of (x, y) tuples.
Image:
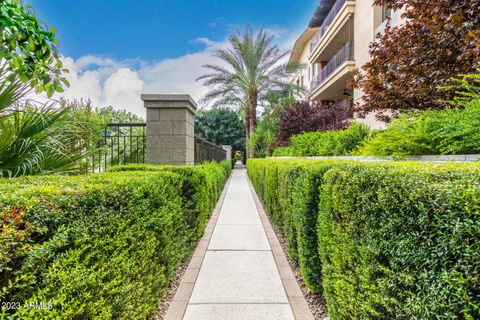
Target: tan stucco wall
[(367, 22), (305, 70)]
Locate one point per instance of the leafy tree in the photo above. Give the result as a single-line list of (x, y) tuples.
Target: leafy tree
[(95, 145), (119, 116), (28, 49), (253, 69), (305, 116), (439, 39), (221, 126), (455, 130)]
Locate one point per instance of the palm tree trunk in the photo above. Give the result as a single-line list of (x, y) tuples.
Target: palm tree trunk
[(247, 130), (253, 97)]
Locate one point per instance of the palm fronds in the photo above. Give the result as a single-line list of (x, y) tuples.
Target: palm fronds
[(252, 67), (33, 139)]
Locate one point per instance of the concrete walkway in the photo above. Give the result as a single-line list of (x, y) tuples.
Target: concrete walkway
[(235, 273)]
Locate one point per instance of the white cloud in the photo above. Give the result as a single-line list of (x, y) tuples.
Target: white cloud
[(204, 41), (108, 82)]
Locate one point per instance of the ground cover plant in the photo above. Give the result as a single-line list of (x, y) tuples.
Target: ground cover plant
[(102, 245), (381, 241)]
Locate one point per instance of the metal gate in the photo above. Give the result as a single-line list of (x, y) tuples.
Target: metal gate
[(121, 143)]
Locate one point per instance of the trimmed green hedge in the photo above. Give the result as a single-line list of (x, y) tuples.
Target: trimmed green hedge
[(382, 241), (104, 245)]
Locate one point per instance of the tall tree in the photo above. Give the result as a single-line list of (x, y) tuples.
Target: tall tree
[(252, 66), (410, 62), (28, 49), (221, 126)]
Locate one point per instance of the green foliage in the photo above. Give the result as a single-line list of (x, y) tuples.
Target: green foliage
[(104, 245), (455, 130), (328, 143), (262, 141), (238, 156), (382, 241), (411, 62), (28, 48), (118, 116), (96, 120), (283, 151), (255, 69), (222, 127), (38, 139), (452, 131)]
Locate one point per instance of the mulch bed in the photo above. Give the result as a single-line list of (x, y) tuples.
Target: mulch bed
[(171, 290), (315, 301)]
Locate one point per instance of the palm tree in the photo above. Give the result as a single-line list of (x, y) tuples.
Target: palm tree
[(253, 67), (36, 140)]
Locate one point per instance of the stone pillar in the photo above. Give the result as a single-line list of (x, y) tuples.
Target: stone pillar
[(229, 152), (170, 128)]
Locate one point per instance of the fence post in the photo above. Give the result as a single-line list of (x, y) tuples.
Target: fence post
[(170, 128), (228, 149)]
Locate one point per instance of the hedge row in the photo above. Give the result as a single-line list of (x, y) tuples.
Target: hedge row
[(104, 245), (381, 241)]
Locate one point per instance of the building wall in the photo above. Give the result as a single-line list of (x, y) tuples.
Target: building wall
[(367, 23), (306, 70)]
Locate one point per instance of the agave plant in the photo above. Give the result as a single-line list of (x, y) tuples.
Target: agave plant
[(36, 139)]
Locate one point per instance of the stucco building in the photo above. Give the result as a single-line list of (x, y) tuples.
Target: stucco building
[(336, 42)]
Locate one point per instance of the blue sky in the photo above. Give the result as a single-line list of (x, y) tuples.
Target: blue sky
[(117, 49), (152, 30)]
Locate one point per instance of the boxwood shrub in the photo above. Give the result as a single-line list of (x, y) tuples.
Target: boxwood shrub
[(101, 246), (382, 241)]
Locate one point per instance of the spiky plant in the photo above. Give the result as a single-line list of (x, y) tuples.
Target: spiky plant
[(252, 66), (35, 140)]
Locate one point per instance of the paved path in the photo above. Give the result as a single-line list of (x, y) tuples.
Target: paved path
[(237, 275)]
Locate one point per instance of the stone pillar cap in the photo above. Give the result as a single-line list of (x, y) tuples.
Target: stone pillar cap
[(170, 98)]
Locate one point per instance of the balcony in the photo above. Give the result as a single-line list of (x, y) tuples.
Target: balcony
[(346, 107), (333, 30), (329, 84)]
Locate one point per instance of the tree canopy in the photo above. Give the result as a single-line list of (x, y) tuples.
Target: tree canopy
[(251, 68), (28, 48), (440, 39), (221, 126)]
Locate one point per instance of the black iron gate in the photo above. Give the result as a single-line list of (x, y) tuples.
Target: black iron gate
[(121, 143), (125, 143)]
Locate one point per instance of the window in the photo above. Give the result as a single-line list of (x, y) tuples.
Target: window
[(386, 12)]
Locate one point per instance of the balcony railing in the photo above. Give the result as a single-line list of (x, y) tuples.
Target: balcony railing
[(346, 106), (343, 55), (337, 6)]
